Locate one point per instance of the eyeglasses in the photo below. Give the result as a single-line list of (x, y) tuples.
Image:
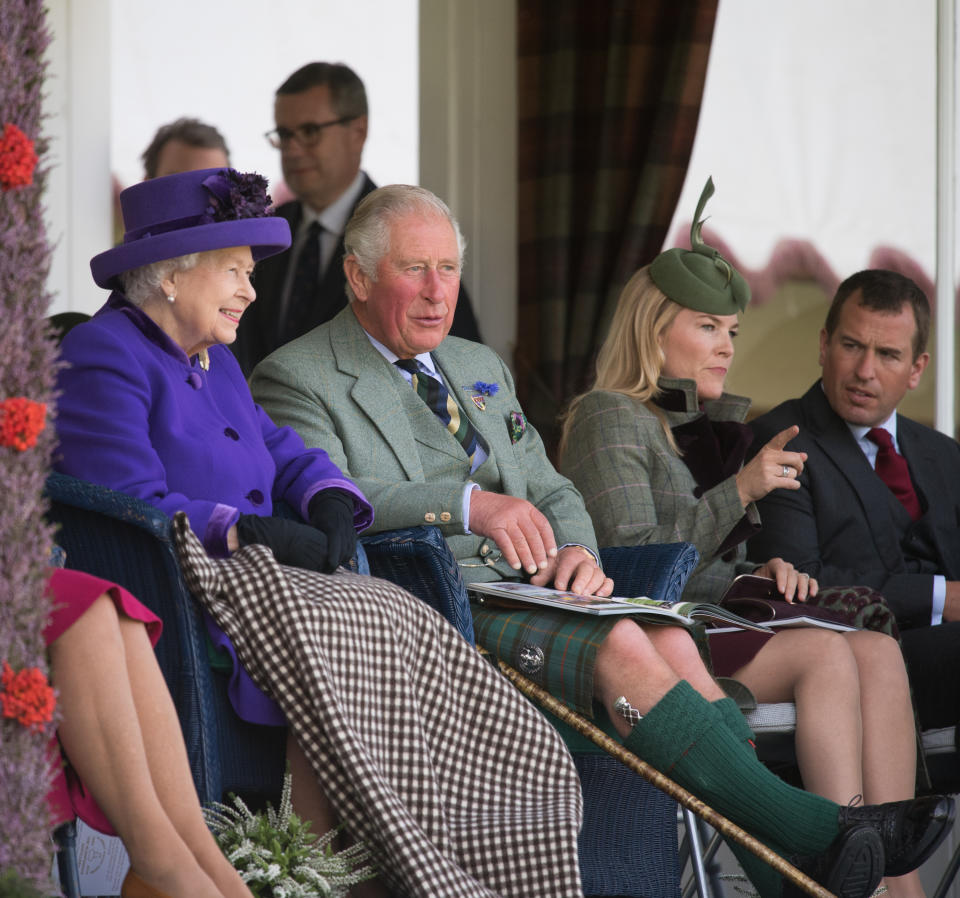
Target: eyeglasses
[(307, 134)]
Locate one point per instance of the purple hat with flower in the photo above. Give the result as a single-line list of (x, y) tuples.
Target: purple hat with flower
[(192, 212)]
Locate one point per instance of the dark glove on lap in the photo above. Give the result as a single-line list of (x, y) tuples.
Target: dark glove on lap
[(331, 512), (292, 542)]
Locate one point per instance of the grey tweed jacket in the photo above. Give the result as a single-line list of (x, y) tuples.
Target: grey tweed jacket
[(336, 390), (638, 490)]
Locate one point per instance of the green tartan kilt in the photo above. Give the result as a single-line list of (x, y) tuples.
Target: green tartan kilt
[(555, 649)]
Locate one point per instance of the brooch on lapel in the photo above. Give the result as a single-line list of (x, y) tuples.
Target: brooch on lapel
[(518, 426), (479, 392)]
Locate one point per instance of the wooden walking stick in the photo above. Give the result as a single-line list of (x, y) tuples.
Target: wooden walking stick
[(664, 783)]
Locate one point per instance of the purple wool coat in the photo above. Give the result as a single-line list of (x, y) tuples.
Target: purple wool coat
[(137, 415)]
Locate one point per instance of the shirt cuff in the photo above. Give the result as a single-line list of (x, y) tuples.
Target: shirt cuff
[(939, 599), (465, 506)]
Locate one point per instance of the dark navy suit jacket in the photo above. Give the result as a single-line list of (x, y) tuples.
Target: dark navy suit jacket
[(844, 526)]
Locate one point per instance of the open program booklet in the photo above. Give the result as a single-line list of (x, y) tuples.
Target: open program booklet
[(652, 610)]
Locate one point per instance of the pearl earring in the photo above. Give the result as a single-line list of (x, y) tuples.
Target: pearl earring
[(171, 298)]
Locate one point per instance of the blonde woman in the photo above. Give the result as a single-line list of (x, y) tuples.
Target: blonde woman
[(656, 447)]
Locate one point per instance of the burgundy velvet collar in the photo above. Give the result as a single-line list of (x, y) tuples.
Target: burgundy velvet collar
[(711, 450)]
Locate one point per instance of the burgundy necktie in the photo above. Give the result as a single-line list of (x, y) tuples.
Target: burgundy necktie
[(892, 469)]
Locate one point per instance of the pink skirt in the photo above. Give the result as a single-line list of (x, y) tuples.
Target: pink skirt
[(73, 592)]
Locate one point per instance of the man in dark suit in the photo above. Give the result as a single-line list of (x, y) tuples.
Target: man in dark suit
[(321, 126), (879, 502)]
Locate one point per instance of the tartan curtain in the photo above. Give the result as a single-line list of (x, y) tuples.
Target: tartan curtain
[(608, 98)]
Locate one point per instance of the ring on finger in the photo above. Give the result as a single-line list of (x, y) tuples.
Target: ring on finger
[(787, 471)]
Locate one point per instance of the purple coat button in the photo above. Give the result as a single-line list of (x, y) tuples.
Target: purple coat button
[(255, 497)]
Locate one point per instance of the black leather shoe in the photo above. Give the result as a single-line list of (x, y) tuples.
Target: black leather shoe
[(851, 867), (910, 830)]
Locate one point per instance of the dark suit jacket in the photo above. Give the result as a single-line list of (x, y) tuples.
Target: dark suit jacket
[(261, 329), (843, 526)]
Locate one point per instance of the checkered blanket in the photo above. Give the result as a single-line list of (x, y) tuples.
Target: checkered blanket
[(427, 754)]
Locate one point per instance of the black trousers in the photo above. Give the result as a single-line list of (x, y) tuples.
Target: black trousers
[(933, 664)]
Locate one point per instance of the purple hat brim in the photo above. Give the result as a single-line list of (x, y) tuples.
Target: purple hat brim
[(265, 237)]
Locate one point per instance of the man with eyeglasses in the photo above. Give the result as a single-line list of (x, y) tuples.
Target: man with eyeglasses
[(320, 113)]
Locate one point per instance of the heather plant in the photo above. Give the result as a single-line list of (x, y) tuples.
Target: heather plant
[(278, 856), (27, 361)]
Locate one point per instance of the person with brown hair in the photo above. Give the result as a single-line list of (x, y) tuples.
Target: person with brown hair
[(878, 501)]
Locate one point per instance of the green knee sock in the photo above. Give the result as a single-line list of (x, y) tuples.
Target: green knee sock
[(767, 882), (733, 719), (685, 737)]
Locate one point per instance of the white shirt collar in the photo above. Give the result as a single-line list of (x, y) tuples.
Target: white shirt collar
[(890, 426), (425, 358), (868, 446), (335, 217)]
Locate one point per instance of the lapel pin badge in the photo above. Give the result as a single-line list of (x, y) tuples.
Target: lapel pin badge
[(479, 391)]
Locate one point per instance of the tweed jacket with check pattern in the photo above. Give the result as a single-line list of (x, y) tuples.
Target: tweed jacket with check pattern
[(638, 490)]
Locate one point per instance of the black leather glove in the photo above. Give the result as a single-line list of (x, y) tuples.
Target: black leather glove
[(292, 542), (331, 512)]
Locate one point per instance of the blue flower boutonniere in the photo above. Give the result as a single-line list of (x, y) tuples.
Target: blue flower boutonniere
[(480, 391)]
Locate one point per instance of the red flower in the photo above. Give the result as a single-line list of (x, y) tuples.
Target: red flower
[(21, 421), (18, 158), (27, 697)]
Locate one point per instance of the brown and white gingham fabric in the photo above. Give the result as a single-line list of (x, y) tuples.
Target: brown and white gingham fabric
[(457, 783)]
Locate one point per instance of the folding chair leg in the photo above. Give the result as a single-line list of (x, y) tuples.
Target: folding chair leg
[(713, 841), (946, 880), (695, 848), (710, 842), (65, 836)]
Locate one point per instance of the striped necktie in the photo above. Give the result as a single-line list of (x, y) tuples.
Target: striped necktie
[(442, 404)]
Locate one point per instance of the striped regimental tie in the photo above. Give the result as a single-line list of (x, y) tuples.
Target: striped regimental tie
[(442, 404)]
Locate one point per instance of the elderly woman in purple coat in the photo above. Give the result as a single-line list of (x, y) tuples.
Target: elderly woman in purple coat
[(154, 405)]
